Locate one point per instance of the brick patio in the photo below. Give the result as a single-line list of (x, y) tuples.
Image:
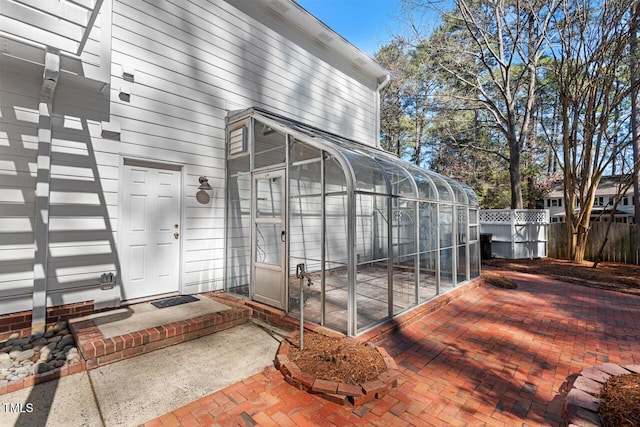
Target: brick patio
[(491, 357)]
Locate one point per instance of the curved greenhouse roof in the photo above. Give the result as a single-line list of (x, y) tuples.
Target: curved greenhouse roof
[(372, 170)]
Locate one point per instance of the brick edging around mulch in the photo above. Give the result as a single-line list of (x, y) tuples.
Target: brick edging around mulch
[(582, 402), (334, 391)]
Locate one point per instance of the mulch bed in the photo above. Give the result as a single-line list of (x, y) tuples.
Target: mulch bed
[(620, 401), (338, 359), (498, 280), (608, 275)]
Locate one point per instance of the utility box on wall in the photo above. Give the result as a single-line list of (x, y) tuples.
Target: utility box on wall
[(516, 233)]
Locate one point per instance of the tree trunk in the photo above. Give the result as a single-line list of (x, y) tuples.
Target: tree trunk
[(581, 243), (515, 175), (635, 114), (515, 180)]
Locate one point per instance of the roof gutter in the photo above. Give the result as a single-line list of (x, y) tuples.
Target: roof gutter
[(381, 85)]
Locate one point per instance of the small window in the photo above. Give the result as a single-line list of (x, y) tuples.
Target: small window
[(554, 203), (548, 203), (625, 201)]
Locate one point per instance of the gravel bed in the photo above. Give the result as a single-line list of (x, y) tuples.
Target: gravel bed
[(37, 353)]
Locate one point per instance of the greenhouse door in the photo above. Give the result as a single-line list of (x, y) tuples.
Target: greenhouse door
[(269, 238)]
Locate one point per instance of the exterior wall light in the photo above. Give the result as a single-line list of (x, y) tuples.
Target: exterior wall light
[(202, 196), (204, 184)]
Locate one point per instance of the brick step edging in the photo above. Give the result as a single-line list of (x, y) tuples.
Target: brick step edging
[(98, 350)]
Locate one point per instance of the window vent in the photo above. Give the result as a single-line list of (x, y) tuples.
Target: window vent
[(238, 141)]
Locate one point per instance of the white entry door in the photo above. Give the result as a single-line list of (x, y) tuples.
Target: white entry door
[(269, 238), (150, 230)]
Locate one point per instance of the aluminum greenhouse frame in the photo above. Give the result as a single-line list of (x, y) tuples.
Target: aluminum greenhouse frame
[(377, 235)]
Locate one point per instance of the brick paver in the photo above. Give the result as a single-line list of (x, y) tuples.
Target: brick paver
[(491, 357)]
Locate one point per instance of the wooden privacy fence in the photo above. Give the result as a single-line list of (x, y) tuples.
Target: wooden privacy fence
[(623, 244)]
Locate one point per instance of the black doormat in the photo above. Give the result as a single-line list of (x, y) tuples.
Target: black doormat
[(174, 301)]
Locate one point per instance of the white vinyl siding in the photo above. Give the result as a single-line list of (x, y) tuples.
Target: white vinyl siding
[(18, 148), (232, 59), (192, 62)]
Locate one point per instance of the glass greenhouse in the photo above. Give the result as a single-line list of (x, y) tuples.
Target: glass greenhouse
[(377, 235)]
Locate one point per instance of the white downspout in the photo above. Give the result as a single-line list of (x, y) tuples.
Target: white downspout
[(42, 190), (381, 86)]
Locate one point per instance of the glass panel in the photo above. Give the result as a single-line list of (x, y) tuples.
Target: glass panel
[(336, 296), (372, 293), (335, 267), (428, 287), (369, 175), (428, 226), (238, 234), (304, 179), (269, 198), (305, 246), (371, 228), (460, 195), (474, 260), (301, 151), (444, 194), (446, 226), (473, 216), (446, 268), (238, 164), (461, 260), (462, 240), (426, 189), (334, 176), (305, 229), (462, 225), (269, 146), (473, 233), (268, 244), (404, 250), (401, 182), (372, 252), (404, 284), (404, 228), (471, 195)]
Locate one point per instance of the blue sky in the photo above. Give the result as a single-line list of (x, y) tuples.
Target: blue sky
[(368, 24)]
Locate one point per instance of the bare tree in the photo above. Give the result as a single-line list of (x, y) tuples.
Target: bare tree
[(592, 75), (394, 127), (504, 40), (635, 113)]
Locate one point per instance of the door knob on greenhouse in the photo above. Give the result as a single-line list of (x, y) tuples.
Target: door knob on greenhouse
[(176, 235)]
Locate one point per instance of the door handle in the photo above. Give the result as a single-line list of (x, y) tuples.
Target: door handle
[(176, 235), (283, 236)]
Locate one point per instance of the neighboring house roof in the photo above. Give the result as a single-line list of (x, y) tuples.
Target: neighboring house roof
[(609, 185)]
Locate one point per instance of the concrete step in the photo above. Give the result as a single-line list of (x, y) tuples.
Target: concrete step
[(110, 336)]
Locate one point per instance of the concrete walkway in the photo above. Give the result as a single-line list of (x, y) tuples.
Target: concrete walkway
[(492, 357), (132, 391)]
